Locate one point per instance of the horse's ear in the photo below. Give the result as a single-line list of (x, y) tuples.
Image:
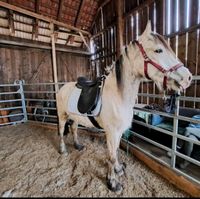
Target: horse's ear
[(146, 32), (148, 29)]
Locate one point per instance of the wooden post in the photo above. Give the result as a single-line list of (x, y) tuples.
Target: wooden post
[(120, 26), (55, 75)]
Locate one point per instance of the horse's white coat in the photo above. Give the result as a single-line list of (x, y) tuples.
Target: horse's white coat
[(72, 105), (118, 100)]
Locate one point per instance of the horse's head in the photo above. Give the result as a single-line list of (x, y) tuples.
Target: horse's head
[(160, 62)]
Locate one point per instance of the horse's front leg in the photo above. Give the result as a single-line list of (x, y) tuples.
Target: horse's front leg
[(113, 140)]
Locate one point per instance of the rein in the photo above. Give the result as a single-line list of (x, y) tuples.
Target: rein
[(147, 61)]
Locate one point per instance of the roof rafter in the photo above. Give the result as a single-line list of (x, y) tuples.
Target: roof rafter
[(35, 25), (11, 21), (60, 6), (41, 17), (78, 12)]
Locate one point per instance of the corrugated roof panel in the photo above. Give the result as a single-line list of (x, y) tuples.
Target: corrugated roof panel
[(23, 27), (43, 24), (23, 19), (60, 41), (78, 39), (63, 35), (23, 35), (43, 31), (44, 39), (3, 13), (3, 22), (4, 31)]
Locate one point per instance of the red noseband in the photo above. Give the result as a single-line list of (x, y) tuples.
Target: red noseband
[(147, 61)]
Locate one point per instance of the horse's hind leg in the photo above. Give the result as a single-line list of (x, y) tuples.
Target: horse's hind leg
[(62, 121), (74, 129)]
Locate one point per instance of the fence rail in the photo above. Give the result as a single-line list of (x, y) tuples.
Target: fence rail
[(39, 106)]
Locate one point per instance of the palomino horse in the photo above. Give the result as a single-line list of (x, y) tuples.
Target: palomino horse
[(149, 57)]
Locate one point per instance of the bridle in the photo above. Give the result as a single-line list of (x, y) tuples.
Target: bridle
[(147, 61)]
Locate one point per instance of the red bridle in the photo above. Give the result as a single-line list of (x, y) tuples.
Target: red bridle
[(147, 61)]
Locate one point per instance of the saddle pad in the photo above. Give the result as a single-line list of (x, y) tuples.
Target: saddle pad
[(73, 103)]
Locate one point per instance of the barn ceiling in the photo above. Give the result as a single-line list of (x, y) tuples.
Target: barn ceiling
[(76, 13)]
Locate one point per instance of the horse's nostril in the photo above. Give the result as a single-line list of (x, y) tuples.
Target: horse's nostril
[(189, 78)]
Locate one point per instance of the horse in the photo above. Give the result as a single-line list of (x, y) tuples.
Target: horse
[(149, 57)]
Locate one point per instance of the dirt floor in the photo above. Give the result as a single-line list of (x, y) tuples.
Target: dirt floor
[(30, 166)]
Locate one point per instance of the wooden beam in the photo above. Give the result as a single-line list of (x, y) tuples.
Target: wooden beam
[(179, 181), (42, 17), (138, 8), (35, 29), (35, 25), (19, 42), (78, 12), (60, 6), (54, 61), (70, 39), (98, 10), (11, 22), (85, 42), (120, 26), (104, 30)]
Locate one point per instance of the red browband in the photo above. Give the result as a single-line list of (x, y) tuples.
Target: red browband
[(147, 61)]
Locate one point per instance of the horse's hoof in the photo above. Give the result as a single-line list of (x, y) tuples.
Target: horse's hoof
[(121, 171), (79, 147), (63, 151), (114, 186)]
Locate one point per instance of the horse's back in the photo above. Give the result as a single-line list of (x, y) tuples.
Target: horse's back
[(66, 88), (63, 95)]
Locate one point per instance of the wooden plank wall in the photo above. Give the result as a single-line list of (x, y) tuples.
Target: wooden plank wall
[(105, 32), (169, 18), (35, 66), (183, 40)]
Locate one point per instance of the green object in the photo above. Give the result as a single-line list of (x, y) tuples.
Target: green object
[(126, 135)]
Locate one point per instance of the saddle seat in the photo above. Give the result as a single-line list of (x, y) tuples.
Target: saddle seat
[(84, 82), (90, 93)]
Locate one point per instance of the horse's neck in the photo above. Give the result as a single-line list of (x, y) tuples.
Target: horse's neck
[(129, 89)]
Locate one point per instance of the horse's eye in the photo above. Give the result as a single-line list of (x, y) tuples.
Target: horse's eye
[(158, 51)]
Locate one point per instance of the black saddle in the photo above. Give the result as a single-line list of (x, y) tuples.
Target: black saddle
[(89, 95)]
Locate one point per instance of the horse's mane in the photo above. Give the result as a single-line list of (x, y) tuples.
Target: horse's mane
[(118, 70)]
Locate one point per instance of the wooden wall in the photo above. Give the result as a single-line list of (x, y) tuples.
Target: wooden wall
[(180, 25), (35, 65), (104, 36)]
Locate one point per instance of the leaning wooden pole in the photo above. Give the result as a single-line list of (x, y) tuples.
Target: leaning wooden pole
[(55, 74)]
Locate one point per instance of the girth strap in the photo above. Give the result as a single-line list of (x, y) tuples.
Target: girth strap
[(94, 122)]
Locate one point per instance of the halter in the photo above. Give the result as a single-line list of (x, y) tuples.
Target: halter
[(147, 61)]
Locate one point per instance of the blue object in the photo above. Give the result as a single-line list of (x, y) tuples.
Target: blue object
[(195, 125), (156, 119)]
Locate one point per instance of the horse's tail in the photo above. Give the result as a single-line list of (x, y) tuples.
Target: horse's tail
[(68, 123)]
